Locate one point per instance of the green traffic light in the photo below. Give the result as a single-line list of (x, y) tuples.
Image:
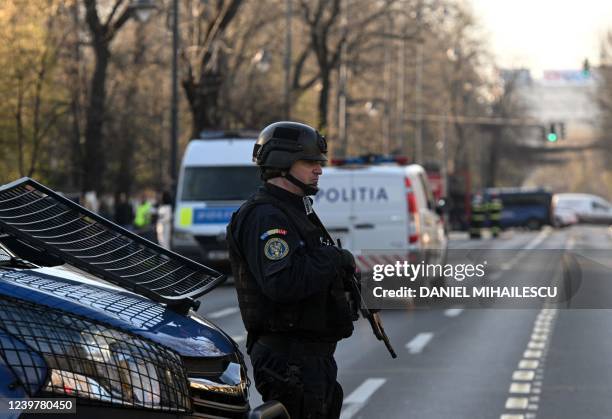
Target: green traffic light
[(551, 137)]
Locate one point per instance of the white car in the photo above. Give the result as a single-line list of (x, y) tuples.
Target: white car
[(564, 217)]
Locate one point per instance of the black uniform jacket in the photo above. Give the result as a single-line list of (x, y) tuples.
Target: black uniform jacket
[(284, 266)]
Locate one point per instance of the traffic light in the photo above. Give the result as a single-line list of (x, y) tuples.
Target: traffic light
[(562, 130), (552, 136)]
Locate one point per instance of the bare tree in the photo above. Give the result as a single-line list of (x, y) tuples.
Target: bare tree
[(205, 57), (103, 32)]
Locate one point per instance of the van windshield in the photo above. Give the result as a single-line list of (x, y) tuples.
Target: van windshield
[(220, 183)]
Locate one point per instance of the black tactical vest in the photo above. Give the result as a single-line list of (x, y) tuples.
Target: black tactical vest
[(325, 315)]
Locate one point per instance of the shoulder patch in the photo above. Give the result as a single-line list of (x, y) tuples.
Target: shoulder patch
[(276, 248), (277, 231)]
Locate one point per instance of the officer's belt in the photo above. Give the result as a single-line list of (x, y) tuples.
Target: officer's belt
[(295, 347)]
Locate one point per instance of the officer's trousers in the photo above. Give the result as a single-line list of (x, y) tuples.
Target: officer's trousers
[(305, 384)]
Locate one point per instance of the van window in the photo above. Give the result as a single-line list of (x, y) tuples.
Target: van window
[(600, 206), (525, 199), (220, 183)]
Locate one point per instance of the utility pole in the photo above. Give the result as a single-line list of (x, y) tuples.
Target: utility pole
[(401, 81), (342, 82), (174, 106), (386, 128), (418, 91), (288, 56)]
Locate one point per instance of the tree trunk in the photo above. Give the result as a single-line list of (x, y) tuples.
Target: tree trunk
[(323, 102), (203, 98), (94, 162)]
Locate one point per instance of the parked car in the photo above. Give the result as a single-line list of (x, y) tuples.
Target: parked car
[(382, 212), (92, 312), (588, 208), (564, 217)]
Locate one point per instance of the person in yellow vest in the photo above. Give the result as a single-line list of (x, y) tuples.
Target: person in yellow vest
[(144, 212), (477, 218), (494, 210)]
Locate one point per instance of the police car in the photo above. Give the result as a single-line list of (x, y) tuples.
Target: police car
[(103, 319), (382, 211), (217, 175)]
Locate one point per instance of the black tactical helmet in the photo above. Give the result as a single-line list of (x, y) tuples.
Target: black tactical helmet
[(281, 144)]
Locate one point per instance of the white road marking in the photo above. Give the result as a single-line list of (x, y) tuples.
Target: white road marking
[(417, 344), (532, 354), (358, 398), (526, 364), (538, 239), (453, 312), (527, 380), (517, 403), (531, 245), (222, 313), (520, 388), (536, 345), (523, 375), (539, 337)]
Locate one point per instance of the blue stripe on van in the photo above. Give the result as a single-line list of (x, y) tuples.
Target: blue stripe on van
[(213, 215)]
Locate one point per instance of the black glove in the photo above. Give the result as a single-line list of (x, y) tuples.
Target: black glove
[(347, 261)]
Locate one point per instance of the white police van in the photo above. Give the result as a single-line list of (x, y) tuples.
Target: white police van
[(382, 213), (217, 175)]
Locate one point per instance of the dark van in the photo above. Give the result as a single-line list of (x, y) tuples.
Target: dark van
[(523, 207)]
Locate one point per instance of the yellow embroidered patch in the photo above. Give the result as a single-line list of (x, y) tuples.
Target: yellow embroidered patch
[(276, 248)]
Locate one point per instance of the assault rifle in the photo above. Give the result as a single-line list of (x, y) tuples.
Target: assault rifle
[(371, 315)]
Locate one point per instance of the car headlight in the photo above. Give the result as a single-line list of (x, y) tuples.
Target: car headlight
[(231, 382), (94, 362)]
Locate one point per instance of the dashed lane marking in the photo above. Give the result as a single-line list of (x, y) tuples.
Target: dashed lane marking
[(359, 397), (416, 345), (517, 403), (528, 364), (453, 312), (222, 313), (523, 375), (527, 380), (520, 388), (532, 354)]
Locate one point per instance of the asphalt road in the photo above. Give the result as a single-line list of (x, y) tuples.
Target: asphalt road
[(551, 360)]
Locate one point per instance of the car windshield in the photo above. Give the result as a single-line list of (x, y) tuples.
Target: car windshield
[(220, 183)]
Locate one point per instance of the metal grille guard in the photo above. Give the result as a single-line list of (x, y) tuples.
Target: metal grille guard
[(46, 220), (55, 353)]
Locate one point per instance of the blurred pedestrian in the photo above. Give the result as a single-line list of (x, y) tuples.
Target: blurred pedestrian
[(477, 218), (124, 212), (163, 226)]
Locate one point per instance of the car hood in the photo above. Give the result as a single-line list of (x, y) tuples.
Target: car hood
[(190, 336)]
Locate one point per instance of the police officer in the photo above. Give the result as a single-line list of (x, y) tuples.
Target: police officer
[(494, 211), (290, 279), (477, 219)]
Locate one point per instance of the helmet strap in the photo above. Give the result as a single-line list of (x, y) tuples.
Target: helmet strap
[(307, 189)]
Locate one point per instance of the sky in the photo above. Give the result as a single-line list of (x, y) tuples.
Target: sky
[(544, 34)]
